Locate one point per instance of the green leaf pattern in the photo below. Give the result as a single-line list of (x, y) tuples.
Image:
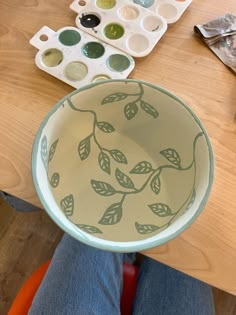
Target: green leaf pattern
[(67, 205), (44, 151), (104, 162), (143, 167), (146, 228), (118, 156), (52, 150), (112, 215), (191, 202), (156, 184), (89, 228), (130, 110), (103, 188), (84, 148), (55, 179), (149, 109), (115, 97), (160, 209), (124, 180), (172, 156), (105, 126)]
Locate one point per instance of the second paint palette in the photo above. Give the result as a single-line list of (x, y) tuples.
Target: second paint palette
[(78, 58), (122, 24), (170, 10)]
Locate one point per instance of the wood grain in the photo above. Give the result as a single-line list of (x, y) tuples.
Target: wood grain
[(180, 63), (26, 241)]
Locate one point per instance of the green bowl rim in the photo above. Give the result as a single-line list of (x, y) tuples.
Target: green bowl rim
[(114, 247)]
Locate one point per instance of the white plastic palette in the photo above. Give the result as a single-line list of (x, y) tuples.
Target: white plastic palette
[(78, 58), (125, 25), (170, 10)]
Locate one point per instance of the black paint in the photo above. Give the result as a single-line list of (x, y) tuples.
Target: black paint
[(90, 20)]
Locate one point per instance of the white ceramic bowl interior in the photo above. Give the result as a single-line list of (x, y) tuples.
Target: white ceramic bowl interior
[(122, 165)]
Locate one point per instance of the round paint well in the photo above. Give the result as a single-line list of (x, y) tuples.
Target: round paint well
[(144, 3), (52, 57), (129, 12), (106, 4), (69, 37), (75, 71), (93, 50), (100, 77), (90, 20), (118, 62), (167, 10), (138, 43), (152, 23), (114, 31)]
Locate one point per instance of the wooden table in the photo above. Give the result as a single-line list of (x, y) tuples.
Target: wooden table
[(180, 63)]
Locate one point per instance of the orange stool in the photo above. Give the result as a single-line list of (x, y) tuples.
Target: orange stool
[(24, 298)]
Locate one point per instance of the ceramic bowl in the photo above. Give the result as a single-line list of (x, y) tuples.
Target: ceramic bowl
[(122, 165)]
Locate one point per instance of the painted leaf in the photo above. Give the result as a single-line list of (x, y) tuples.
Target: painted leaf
[(172, 156), (156, 184), (191, 200), (67, 205), (52, 150), (102, 188), (143, 167), (118, 156), (44, 151), (161, 209), (115, 97), (146, 228), (149, 109), (105, 127), (112, 215), (123, 179), (55, 179), (130, 110), (89, 228), (104, 162), (84, 148)]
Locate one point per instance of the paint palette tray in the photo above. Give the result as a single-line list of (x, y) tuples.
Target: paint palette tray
[(78, 58), (128, 26), (170, 10)]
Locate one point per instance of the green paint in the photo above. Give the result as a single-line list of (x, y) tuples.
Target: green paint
[(76, 71), (118, 62), (52, 57), (106, 4), (93, 50), (69, 37), (100, 77), (114, 31)]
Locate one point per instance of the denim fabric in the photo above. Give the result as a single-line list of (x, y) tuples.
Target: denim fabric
[(82, 280)]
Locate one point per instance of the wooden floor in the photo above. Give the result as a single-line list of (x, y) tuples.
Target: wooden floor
[(29, 239)]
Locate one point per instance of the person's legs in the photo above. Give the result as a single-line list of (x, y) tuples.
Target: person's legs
[(80, 280), (165, 291)]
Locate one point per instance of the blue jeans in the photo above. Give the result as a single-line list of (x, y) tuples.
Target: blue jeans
[(86, 281)]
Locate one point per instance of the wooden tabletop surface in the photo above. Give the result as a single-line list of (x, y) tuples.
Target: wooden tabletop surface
[(180, 63)]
